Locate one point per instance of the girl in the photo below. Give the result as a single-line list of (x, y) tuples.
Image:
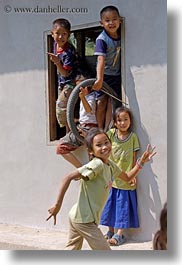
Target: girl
[(95, 177), (120, 211)]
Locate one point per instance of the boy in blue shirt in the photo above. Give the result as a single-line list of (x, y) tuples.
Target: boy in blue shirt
[(108, 50), (64, 57)]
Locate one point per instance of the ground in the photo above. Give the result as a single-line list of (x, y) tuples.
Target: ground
[(15, 237)]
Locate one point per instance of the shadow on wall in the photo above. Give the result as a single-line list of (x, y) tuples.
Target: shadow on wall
[(149, 198)]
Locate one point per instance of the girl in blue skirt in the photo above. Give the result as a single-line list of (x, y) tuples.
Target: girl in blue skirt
[(120, 211)]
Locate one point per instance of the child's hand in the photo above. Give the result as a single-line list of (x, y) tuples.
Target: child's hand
[(133, 182), (97, 85), (83, 91), (53, 212), (53, 57), (148, 154)]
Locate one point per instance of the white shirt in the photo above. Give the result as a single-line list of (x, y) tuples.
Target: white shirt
[(88, 117)]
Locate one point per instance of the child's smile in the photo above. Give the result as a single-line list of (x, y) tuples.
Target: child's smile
[(101, 147)]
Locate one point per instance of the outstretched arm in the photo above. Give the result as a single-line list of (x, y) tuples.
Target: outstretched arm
[(146, 156), (64, 186), (55, 59)]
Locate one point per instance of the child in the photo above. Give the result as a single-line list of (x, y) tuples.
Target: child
[(108, 47), (64, 57), (87, 120), (160, 238), (120, 211), (95, 178)]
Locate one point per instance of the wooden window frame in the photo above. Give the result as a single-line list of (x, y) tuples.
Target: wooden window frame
[(51, 75)]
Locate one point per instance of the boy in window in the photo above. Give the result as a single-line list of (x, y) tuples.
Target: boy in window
[(64, 57), (108, 50)]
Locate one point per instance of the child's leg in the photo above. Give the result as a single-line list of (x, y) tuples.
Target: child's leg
[(72, 159), (117, 239), (75, 241), (66, 145), (61, 106), (110, 233), (93, 236), (108, 114), (120, 232), (101, 111)]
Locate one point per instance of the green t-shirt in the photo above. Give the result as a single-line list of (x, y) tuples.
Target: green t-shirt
[(93, 192), (122, 155)]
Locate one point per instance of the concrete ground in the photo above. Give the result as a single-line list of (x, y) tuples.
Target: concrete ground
[(13, 237)]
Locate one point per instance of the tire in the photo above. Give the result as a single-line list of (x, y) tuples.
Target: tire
[(72, 102)]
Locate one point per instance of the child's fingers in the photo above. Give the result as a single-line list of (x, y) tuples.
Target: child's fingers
[(49, 217), (148, 147), (153, 154), (153, 149), (50, 53), (54, 219)]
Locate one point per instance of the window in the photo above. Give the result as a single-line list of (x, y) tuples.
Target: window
[(83, 37)]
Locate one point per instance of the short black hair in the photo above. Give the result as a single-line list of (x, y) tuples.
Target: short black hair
[(62, 22), (109, 8)]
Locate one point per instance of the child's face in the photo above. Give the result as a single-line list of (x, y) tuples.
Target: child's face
[(123, 122), (110, 21), (60, 35), (101, 147)]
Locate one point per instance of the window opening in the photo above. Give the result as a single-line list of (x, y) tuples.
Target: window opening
[(83, 38)]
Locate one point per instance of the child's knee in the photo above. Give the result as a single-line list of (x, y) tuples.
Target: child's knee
[(65, 148), (101, 104)]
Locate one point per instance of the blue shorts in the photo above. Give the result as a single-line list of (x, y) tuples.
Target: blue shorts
[(115, 83)]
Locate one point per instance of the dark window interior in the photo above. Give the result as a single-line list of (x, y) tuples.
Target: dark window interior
[(84, 41)]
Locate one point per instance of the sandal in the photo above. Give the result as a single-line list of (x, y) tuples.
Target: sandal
[(109, 235), (116, 240)]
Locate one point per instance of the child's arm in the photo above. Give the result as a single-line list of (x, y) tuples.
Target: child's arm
[(64, 186), (55, 59), (146, 156), (86, 105), (134, 180), (100, 72)]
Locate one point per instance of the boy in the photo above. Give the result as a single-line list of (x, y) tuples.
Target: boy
[(87, 120), (64, 57), (108, 46)]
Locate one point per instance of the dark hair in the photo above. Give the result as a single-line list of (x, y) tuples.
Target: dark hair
[(90, 136), (123, 109), (62, 22), (109, 8), (160, 238)]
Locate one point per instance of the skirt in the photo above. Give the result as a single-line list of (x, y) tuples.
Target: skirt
[(120, 210)]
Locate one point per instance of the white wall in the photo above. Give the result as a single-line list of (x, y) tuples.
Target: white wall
[(30, 169)]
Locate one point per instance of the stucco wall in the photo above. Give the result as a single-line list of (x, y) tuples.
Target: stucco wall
[(30, 169)]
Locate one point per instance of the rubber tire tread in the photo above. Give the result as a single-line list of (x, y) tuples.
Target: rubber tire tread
[(72, 102)]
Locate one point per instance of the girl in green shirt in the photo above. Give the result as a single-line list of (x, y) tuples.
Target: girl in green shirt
[(96, 179), (120, 211)]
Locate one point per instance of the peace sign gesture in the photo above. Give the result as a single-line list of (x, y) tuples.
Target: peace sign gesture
[(148, 154), (53, 212)]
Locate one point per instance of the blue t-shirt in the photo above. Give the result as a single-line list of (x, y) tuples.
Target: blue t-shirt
[(111, 49), (68, 60)]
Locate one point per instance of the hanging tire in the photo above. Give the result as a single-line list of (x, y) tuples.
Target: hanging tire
[(73, 100)]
